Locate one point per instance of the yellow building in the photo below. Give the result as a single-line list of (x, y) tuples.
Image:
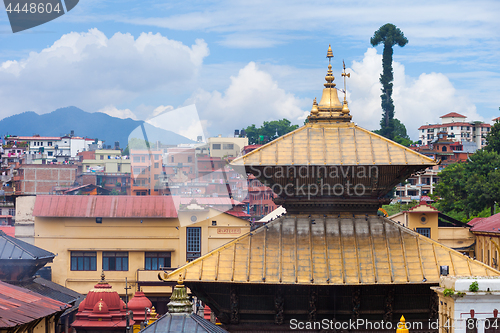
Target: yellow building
[(226, 147), (487, 233), (106, 160), (129, 237), (429, 222)]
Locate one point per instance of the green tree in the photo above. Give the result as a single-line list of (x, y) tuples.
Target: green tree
[(470, 187), (493, 138), (388, 35), (269, 131), (400, 134)]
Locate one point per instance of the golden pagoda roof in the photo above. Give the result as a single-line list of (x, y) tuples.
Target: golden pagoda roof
[(332, 143), (318, 250), (330, 138)]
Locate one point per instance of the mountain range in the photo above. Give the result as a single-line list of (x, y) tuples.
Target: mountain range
[(91, 125)]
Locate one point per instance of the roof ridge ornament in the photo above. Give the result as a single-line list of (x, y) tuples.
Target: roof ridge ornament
[(345, 108)]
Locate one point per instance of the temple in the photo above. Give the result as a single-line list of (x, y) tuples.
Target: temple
[(331, 257)]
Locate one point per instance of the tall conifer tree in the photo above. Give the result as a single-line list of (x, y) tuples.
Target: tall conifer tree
[(389, 35)]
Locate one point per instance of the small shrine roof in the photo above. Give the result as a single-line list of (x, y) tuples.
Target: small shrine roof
[(182, 323), (332, 250)]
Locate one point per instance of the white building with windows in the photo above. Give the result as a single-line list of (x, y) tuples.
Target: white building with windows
[(458, 129), (63, 148)]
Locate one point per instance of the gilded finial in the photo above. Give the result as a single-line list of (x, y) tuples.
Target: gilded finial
[(345, 108), (329, 54), (103, 277), (314, 110), (180, 282)]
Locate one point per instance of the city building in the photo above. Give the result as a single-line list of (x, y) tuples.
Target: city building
[(429, 222), (129, 237), (106, 168), (44, 149), (468, 304), (146, 167), (487, 233), (35, 179), (457, 128), (331, 256), (224, 147)]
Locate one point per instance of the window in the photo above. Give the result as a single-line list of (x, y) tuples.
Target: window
[(156, 176), (193, 248), (228, 146), (49, 153), (101, 157), (157, 165), (143, 159), (216, 146), (190, 159), (172, 159), (49, 143), (424, 232), (115, 261), (214, 223), (83, 261), (119, 168), (157, 156), (137, 158), (156, 260)]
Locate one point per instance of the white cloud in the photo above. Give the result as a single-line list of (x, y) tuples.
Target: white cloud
[(91, 70), (251, 98), (417, 100), (112, 111)]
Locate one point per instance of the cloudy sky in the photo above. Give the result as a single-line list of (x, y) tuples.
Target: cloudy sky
[(242, 63)]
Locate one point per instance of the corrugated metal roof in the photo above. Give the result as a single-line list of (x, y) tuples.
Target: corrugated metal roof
[(114, 206), (12, 248), (214, 201), (182, 323), (49, 289), (343, 250), (332, 144), (20, 306), (488, 224)]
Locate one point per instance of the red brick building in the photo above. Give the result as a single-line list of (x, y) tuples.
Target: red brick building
[(34, 179)]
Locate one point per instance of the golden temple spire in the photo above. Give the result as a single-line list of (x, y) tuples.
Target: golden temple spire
[(329, 107), (329, 54)]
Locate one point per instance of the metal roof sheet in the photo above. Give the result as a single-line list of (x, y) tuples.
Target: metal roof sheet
[(488, 224), (20, 306), (110, 206), (332, 144), (13, 248), (49, 289), (342, 250), (182, 323)]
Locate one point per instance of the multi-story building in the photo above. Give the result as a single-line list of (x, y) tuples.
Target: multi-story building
[(226, 147), (43, 149), (127, 237), (106, 168), (35, 179), (457, 128), (442, 148), (146, 167)]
